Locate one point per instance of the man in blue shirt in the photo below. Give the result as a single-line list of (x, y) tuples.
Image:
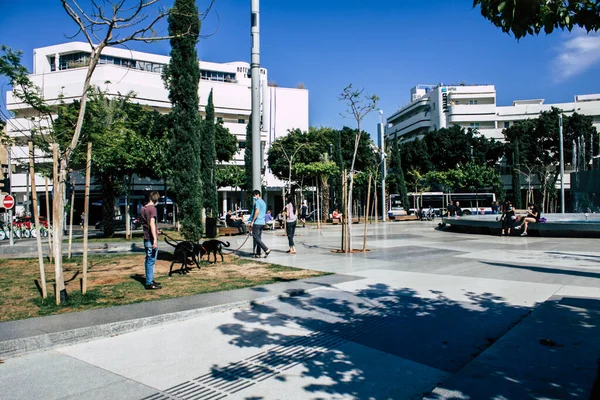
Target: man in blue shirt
[(257, 223)]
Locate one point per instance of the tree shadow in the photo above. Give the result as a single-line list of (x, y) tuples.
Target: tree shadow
[(382, 342), (545, 270)]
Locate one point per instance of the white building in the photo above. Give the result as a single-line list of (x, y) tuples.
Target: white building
[(61, 69), (473, 106)]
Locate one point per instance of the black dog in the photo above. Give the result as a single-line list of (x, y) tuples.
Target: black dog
[(183, 251), (213, 246)]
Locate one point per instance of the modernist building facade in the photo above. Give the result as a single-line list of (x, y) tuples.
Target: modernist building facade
[(434, 107), (473, 106), (60, 71)]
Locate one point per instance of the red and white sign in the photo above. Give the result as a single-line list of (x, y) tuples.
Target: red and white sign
[(8, 202)]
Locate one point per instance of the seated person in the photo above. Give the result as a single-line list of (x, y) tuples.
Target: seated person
[(336, 214), (235, 222), (533, 216), (508, 218), (269, 220)]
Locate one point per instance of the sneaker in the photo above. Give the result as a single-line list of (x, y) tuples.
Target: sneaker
[(524, 234), (517, 228), (157, 284), (153, 287)]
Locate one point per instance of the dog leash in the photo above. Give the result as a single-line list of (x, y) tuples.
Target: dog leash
[(242, 245)]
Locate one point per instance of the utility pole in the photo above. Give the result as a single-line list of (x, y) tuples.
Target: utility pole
[(255, 78), (562, 164)]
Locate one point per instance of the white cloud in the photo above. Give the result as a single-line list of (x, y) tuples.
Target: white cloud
[(577, 54)]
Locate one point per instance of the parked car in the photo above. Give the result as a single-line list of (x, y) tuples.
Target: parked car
[(119, 223)]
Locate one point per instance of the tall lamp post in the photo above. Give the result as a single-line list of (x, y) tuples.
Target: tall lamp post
[(381, 129), (562, 164), (255, 84)]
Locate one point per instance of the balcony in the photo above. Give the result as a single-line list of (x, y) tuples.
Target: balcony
[(472, 113)]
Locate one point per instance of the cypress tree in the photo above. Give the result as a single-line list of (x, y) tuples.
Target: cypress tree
[(339, 161), (209, 155), (248, 164), (182, 77), (399, 172)]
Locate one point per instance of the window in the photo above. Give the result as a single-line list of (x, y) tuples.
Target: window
[(241, 121), (242, 145), (474, 125), (74, 60), (472, 102), (507, 124), (52, 61)]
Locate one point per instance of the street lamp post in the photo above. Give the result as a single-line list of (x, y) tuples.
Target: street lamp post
[(562, 164), (383, 171), (255, 84)]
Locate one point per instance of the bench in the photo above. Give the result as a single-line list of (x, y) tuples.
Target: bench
[(227, 231)]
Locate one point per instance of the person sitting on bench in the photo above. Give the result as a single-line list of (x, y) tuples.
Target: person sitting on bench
[(533, 216), (236, 222), (269, 220)]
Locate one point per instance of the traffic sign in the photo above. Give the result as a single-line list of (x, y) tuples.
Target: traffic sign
[(8, 202)]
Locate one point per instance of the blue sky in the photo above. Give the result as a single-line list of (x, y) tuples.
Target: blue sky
[(384, 46)]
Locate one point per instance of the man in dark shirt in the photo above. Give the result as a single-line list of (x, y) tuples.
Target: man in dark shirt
[(451, 209), (234, 222), (148, 218)]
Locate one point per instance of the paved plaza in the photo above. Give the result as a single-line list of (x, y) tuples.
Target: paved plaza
[(423, 314)]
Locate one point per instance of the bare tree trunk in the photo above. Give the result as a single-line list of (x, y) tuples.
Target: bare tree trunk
[(49, 219), (86, 208), (71, 221), (57, 228), (36, 216), (318, 210), (127, 222), (367, 214), (375, 200)]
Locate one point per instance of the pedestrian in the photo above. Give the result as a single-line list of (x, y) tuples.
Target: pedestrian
[(148, 218), (303, 213), (459, 211), (82, 219), (290, 223), (257, 223), (451, 210), (508, 218)]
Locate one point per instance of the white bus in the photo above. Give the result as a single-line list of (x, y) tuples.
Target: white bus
[(470, 203)]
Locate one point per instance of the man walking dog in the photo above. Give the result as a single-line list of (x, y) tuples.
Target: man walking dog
[(257, 223), (148, 218)]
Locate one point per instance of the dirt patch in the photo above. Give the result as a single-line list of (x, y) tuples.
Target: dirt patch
[(119, 279)]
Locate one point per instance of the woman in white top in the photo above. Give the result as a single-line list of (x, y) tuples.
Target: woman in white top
[(290, 222)]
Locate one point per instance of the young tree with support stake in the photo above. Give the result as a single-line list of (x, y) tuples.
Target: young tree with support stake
[(359, 107)]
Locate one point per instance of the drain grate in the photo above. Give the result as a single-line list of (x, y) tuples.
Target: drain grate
[(237, 376)]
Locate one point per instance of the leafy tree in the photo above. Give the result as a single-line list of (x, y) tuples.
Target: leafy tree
[(209, 158), (181, 77), (530, 17), (229, 175), (415, 155), (471, 177), (395, 178), (125, 137), (320, 171), (227, 143)]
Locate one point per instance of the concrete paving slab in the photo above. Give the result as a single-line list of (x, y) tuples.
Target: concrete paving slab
[(350, 372), (125, 390), (169, 354), (50, 376), (551, 354)]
